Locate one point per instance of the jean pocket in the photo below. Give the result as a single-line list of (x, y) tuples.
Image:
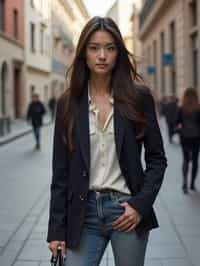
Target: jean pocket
[(119, 198)]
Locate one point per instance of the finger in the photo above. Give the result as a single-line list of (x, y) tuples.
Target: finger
[(123, 223), (131, 228), (135, 224), (53, 249), (125, 226), (119, 220), (63, 248), (139, 218), (129, 221), (124, 204)]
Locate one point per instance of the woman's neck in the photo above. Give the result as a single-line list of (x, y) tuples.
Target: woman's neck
[(99, 85)]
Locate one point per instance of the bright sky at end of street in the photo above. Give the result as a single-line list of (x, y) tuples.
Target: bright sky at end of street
[(100, 7)]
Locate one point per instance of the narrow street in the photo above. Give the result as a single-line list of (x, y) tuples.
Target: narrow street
[(24, 196)]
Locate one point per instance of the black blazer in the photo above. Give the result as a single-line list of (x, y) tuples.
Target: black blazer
[(70, 182)]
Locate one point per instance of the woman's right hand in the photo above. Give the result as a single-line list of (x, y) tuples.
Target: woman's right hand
[(53, 246)]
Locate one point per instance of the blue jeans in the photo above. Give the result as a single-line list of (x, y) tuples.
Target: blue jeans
[(101, 211), (36, 131)]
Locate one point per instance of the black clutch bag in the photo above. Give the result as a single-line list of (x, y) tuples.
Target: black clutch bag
[(58, 260)]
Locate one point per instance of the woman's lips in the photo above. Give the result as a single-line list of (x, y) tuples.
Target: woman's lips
[(101, 65)]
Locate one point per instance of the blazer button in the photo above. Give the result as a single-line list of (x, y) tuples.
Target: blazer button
[(84, 173), (81, 198)]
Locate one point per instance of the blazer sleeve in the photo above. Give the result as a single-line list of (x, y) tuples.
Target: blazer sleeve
[(58, 193), (155, 160)]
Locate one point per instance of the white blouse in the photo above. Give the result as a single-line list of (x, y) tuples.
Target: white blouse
[(105, 171)]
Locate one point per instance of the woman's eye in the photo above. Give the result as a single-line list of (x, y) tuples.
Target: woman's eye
[(93, 48), (111, 48)]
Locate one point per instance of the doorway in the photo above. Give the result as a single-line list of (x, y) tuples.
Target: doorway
[(4, 79), (17, 91)]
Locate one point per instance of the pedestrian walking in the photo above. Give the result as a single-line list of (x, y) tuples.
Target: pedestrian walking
[(170, 109), (52, 106), (162, 105), (35, 113), (99, 192), (188, 126)]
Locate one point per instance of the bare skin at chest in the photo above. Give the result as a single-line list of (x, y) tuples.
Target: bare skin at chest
[(104, 108)]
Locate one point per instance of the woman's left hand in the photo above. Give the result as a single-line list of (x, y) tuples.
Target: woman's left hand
[(128, 220)]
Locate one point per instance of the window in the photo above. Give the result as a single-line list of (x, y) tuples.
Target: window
[(46, 93), (32, 3), (3, 78), (32, 26), (2, 11), (173, 51), (195, 59), (162, 50), (193, 12), (41, 39), (15, 24), (155, 62), (48, 45), (149, 55), (32, 90), (55, 43)]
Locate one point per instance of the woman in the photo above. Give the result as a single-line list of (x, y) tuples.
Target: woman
[(188, 125), (99, 190)]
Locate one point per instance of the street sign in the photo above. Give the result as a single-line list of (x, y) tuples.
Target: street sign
[(151, 70), (167, 59)]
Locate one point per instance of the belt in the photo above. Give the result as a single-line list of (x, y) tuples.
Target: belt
[(103, 191)]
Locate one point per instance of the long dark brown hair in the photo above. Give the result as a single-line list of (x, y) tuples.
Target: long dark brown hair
[(123, 80), (190, 101)]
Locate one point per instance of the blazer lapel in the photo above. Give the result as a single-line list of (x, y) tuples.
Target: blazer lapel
[(83, 128), (119, 125)]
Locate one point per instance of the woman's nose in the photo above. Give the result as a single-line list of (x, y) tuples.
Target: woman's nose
[(102, 53)]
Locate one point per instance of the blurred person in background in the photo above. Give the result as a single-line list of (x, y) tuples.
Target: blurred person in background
[(162, 104), (99, 190), (52, 106), (170, 109), (35, 113), (188, 126)]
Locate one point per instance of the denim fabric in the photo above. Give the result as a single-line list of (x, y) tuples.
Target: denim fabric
[(101, 211), (36, 131)]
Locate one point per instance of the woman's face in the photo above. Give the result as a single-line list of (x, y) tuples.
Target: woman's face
[(101, 53)]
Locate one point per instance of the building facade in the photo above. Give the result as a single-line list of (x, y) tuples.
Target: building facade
[(11, 58), (68, 19), (81, 16), (62, 41), (38, 49), (117, 13), (37, 43), (169, 33), (137, 47)]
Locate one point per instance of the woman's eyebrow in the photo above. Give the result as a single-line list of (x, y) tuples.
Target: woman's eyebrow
[(107, 44)]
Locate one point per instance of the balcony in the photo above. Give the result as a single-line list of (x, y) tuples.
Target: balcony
[(146, 10), (67, 39), (64, 36)]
